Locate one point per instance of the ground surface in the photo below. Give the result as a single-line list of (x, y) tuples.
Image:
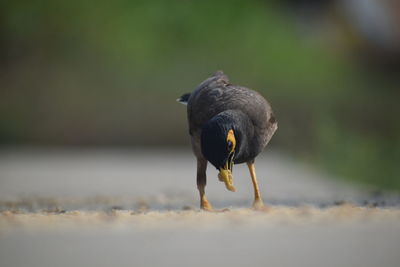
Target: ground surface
[(139, 208)]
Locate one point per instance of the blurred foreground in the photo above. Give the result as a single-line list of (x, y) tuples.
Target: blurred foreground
[(338, 236), (139, 208)]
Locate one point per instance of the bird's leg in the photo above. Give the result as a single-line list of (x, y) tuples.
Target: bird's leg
[(201, 184), (204, 204), (258, 204)]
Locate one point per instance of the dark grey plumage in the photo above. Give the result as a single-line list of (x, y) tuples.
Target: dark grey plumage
[(216, 95), (244, 110)]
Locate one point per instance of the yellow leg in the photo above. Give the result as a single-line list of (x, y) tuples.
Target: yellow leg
[(204, 204), (258, 204), (201, 184)]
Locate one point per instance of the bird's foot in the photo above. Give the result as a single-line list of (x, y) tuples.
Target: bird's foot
[(216, 210), (258, 204), (205, 205)]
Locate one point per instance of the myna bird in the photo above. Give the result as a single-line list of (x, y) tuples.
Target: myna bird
[(228, 124)]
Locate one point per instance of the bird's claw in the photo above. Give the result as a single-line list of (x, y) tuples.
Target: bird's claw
[(205, 205)]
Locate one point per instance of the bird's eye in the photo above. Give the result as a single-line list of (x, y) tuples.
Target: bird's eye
[(230, 146)]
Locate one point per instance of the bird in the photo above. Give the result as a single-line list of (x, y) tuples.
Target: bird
[(228, 124)]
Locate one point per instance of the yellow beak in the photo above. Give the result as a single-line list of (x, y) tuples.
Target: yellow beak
[(225, 175)]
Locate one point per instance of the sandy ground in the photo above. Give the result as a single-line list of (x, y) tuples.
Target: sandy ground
[(139, 208)]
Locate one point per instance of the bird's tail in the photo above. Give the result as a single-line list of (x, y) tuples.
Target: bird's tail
[(184, 99)]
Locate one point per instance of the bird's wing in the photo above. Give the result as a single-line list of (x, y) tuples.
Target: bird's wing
[(216, 94), (209, 101)]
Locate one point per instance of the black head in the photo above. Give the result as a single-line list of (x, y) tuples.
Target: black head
[(219, 143)]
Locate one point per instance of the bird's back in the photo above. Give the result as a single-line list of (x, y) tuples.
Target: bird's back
[(216, 95)]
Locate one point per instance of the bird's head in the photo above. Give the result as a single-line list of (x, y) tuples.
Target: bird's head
[(219, 143)]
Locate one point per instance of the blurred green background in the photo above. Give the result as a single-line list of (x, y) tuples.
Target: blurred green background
[(101, 73)]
